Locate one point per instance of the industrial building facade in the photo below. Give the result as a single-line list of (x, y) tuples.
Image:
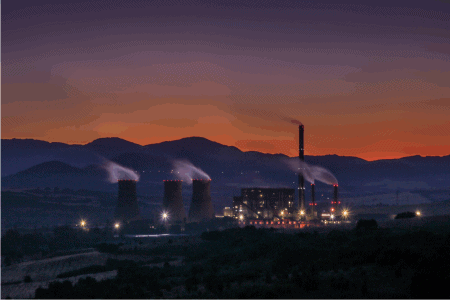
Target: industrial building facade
[(264, 203)]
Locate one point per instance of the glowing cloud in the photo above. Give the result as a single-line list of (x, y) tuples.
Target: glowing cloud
[(186, 171)]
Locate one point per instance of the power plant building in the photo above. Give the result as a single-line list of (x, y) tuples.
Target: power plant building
[(228, 212), (127, 206), (201, 208), (264, 203)]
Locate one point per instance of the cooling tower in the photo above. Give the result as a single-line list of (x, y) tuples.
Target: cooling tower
[(173, 201), (201, 206), (301, 180), (127, 207)]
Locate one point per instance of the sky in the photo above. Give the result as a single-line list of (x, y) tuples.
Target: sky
[(367, 79)]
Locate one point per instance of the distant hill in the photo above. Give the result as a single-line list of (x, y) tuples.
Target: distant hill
[(110, 147), (58, 174), (51, 167)]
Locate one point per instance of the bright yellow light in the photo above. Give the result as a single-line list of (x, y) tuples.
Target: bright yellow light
[(417, 213), (241, 217), (345, 213), (332, 217), (165, 216), (117, 225), (83, 223), (302, 212), (282, 212)]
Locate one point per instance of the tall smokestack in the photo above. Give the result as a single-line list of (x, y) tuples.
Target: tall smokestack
[(201, 207), (301, 156), (173, 201), (127, 207), (313, 199), (335, 203)]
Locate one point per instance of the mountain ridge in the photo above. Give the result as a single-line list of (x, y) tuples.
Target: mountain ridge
[(106, 141)]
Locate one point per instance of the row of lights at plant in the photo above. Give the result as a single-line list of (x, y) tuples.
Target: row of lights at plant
[(83, 224), (164, 217)]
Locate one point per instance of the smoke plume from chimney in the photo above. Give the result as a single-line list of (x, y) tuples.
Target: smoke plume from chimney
[(310, 172), (186, 171)]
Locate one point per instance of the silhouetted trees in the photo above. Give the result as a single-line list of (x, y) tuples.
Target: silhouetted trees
[(366, 224), (259, 263), (405, 215)]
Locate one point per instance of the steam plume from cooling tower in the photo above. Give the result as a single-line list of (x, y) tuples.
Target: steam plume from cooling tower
[(186, 171), (117, 172), (310, 172)]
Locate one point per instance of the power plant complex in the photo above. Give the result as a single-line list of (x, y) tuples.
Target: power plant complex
[(275, 206), (255, 205)]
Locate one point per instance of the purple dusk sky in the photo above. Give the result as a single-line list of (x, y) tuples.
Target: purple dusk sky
[(368, 79)]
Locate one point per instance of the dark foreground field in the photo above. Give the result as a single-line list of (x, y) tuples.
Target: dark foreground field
[(402, 259)]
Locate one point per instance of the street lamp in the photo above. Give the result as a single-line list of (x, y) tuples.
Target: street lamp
[(117, 226), (83, 223), (345, 214), (418, 213), (165, 217)]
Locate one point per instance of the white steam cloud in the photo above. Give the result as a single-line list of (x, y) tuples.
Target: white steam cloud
[(118, 172), (186, 171), (311, 173)]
